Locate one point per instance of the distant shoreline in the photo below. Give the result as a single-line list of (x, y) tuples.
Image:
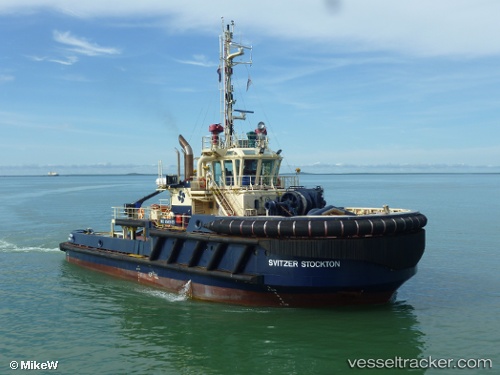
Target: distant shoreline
[(283, 174)]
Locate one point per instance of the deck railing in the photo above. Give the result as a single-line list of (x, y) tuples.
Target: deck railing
[(242, 140), (160, 215), (248, 182), (263, 182)]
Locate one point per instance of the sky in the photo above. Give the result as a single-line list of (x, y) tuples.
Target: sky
[(109, 85)]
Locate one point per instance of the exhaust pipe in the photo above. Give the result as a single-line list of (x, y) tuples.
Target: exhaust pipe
[(188, 158), (178, 164)]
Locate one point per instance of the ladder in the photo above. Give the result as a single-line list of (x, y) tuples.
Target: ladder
[(221, 198)]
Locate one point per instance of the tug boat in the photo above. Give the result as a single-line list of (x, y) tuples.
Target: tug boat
[(234, 230)]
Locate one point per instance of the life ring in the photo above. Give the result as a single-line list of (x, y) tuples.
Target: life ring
[(203, 183), (141, 213)]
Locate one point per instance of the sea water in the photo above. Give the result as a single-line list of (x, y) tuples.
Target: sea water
[(85, 322)]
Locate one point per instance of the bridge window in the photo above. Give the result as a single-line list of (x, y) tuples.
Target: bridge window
[(217, 172), (249, 172), (228, 170), (267, 167), (250, 167), (266, 172)]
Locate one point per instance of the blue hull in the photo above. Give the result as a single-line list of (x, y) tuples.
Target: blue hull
[(257, 272)]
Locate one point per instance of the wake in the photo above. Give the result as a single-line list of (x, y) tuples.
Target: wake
[(183, 295), (7, 247)]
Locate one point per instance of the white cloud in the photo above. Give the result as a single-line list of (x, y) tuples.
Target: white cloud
[(68, 60), (416, 27), (37, 58), (74, 46), (6, 78), (83, 46), (198, 60)]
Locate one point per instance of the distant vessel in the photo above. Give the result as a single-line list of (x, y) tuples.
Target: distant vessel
[(234, 230), (53, 174)]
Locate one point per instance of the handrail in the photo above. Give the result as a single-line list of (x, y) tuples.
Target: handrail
[(248, 181), (161, 216), (142, 213), (221, 196), (268, 181), (242, 140)]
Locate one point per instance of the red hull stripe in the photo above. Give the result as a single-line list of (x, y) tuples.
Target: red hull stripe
[(269, 297)]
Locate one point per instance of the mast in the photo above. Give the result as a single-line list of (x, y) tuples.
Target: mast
[(228, 51)]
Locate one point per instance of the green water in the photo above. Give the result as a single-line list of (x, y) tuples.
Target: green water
[(92, 323)]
